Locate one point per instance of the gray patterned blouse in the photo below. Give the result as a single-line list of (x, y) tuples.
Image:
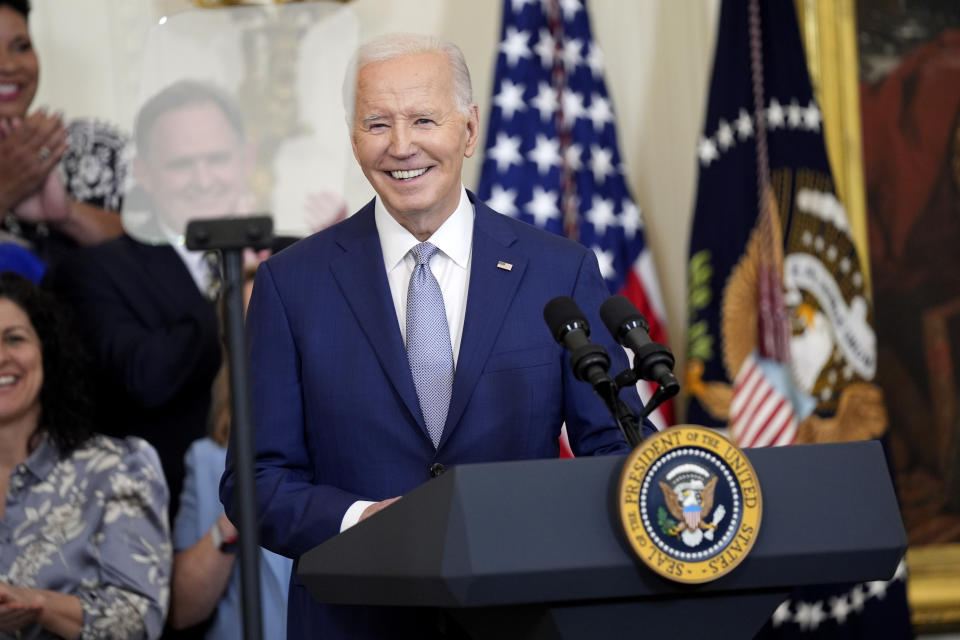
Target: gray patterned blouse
[(93, 525)]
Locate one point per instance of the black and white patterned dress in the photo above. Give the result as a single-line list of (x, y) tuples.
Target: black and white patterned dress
[(94, 171)]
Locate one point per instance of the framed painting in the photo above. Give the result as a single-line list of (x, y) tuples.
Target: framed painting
[(910, 107)]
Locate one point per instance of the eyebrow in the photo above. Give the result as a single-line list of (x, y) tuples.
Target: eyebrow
[(15, 327), (411, 116)]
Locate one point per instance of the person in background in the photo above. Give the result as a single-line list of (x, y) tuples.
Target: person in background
[(60, 186), (147, 309), (206, 576), (84, 541)]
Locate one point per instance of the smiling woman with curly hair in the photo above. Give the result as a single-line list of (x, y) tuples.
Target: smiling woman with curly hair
[(84, 542)]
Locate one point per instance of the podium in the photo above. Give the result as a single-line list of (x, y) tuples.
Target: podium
[(534, 549)]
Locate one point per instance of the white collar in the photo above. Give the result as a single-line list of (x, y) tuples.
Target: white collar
[(192, 260), (454, 237)]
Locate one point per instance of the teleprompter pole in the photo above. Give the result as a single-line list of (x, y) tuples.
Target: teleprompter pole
[(231, 236)]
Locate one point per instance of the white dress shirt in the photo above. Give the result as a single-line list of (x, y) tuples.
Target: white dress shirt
[(450, 266)]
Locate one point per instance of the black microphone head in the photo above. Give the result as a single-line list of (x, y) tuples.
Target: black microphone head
[(619, 315), (562, 315)]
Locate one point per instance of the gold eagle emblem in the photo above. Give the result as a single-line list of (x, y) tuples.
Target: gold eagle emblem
[(690, 506)]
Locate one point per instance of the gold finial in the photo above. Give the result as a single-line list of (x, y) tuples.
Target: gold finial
[(215, 4)]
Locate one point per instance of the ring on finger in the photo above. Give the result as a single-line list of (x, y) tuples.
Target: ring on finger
[(43, 154)]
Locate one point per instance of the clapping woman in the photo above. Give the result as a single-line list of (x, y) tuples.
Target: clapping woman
[(60, 186)]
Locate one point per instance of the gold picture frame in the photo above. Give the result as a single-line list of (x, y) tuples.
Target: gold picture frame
[(829, 32), (933, 587)]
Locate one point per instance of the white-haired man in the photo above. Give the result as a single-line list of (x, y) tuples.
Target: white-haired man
[(356, 332)]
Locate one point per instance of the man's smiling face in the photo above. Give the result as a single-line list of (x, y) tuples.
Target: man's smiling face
[(197, 166), (410, 139)]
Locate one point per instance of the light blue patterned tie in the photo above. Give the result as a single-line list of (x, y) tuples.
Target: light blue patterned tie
[(428, 342)]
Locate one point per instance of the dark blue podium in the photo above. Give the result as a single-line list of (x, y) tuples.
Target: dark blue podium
[(534, 549)]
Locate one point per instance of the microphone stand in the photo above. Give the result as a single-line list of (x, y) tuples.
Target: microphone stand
[(590, 363), (591, 356), (230, 236), (625, 418)]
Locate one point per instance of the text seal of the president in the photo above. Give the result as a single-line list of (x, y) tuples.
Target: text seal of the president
[(690, 504)]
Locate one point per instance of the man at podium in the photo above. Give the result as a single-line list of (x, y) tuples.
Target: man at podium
[(409, 337)]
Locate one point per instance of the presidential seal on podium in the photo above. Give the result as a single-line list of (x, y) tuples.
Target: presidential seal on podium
[(690, 504)]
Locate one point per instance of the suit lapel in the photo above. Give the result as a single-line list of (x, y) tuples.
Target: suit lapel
[(488, 298), (168, 274), (362, 278)]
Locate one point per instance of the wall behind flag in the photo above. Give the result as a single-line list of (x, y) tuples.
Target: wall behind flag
[(657, 55)]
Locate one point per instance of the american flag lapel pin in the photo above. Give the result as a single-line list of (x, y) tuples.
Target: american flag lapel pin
[(506, 266)]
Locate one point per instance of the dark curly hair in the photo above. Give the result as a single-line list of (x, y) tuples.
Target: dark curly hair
[(66, 408), (20, 6)]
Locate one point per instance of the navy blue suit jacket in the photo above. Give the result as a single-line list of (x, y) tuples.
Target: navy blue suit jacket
[(156, 341), (337, 416)]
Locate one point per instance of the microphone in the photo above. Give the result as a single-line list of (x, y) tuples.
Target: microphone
[(570, 328), (652, 361)]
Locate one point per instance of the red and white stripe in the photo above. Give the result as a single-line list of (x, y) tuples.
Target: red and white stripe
[(760, 416), (643, 290)]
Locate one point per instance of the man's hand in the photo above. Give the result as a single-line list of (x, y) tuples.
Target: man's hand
[(226, 527), (375, 507), (18, 608), (253, 258), (29, 150)]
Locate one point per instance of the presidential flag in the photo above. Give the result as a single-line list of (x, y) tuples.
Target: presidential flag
[(780, 343), (551, 155)]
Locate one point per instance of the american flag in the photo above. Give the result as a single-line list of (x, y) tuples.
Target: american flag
[(551, 155), (760, 414)]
